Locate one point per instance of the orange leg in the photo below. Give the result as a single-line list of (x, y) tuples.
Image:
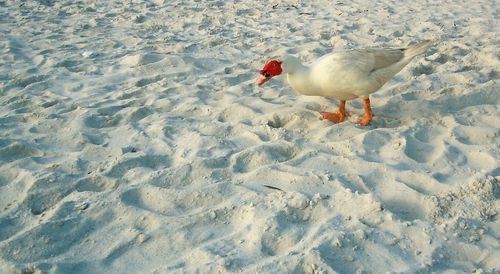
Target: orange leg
[(336, 117), (368, 113)]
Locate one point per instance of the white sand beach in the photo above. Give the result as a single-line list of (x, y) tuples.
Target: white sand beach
[(134, 139)]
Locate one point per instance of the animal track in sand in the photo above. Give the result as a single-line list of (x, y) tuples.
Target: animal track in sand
[(455, 156), (94, 138), (458, 51), (118, 170), (353, 182), (277, 231), (198, 172), (139, 113), (485, 95), (119, 250), (111, 110), (397, 195), (346, 248), (236, 113), (422, 70), (70, 65), (442, 58), (17, 102), (5, 142), (415, 181), (11, 120), (8, 176), (426, 135), (171, 202), (131, 238), (487, 117), (46, 240), (278, 121), (425, 145), (98, 121), (48, 104), (9, 226), (22, 82), (421, 152), (214, 163), (96, 183), (47, 191), (376, 139), (409, 208), (146, 81), (5, 180), (127, 95), (18, 151), (142, 59), (262, 155), (239, 79), (284, 234), (473, 135)]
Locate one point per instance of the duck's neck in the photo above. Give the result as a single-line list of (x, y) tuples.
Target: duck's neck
[(300, 80)]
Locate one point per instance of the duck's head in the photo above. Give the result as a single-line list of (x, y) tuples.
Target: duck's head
[(276, 67), (271, 69)]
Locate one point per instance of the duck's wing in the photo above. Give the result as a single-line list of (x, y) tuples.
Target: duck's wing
[(361, 61), (381, 58)]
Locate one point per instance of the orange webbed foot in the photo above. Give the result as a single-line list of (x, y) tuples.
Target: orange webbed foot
[(336, 117), (368, 113), (365, 121)]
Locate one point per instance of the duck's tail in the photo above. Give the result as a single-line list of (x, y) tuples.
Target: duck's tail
[(417, 49), (385, 74)]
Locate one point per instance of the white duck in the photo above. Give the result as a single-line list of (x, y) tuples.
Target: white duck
[(344, 75)]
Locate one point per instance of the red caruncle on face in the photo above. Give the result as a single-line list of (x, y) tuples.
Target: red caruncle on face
[(272, 68)]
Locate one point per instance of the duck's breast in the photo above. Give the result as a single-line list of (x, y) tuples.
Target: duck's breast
[(343, 75), (301, 82)]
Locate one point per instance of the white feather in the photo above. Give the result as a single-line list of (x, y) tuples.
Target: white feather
[(349, 74)]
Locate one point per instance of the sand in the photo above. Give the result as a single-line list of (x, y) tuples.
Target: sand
[(134, 139)]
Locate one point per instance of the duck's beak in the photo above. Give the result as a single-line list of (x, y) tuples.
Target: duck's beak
[(262, 79)]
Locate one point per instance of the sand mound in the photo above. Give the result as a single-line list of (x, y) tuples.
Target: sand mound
[(478, 200)]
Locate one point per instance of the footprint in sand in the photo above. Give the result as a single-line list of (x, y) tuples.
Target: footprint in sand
[(422, 70), (262, 155), (44, 192), (139, 113), (95, 138), (376, 139), (18, 150), (419, 151), (277, 232), (9, 226), (147, 81), (70, 65), (96, 183), (118, 170), (46, 240), (287, 229), (99, 121), (452, 103), (111, 110), (171, 202), (142, 59), (425, 145), (188, 174), (23, 82), (278, 121)]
